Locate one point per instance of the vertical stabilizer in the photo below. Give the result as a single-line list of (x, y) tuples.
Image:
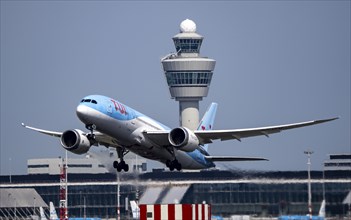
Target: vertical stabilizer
[(42, 214), (135, 209), (53, 215), (207, 120), (322, 209)]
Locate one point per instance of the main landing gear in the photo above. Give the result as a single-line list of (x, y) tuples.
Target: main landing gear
[(174, 164), (122, 164)]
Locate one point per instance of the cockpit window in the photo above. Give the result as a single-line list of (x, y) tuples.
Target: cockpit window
[(89, 100)]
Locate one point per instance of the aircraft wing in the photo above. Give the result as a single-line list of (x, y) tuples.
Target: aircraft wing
[(230, 158), (100, 138), (207, 136)]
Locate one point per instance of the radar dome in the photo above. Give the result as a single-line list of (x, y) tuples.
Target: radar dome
[(187, 26)]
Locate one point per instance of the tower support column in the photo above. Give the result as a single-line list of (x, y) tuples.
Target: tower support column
[(189, 113)]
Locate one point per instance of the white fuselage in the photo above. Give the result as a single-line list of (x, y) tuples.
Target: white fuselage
[(129, 134)]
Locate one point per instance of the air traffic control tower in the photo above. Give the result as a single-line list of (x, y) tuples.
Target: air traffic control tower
[(188, 74)]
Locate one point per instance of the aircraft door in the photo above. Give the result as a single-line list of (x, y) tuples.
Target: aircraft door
[(109, 108)]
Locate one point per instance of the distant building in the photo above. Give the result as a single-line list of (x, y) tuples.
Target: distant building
[(230, 193), (338, 162), (237, 192), (20, 203), (51, 166), (89, 165)]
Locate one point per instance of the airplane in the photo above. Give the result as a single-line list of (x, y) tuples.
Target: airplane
[(320, 216), (42, 214), (53, 214), (114, 124)]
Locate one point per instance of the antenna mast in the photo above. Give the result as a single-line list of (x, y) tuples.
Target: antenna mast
[(63, 190)]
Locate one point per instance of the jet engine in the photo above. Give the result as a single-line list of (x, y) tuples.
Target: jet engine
[(183, 139), (75, 141)]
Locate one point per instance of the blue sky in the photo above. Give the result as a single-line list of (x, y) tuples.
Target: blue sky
[(278, 62)]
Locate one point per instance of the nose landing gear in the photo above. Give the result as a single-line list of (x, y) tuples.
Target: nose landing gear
[(91, 136)]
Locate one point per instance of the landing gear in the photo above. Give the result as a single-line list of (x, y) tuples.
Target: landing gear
[(174, 164), (121, 165), (91, 128)]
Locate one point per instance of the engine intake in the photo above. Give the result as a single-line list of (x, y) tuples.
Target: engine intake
[(75, 141), (183, 139)]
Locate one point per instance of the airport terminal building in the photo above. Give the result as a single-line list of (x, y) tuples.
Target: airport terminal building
[(260, 194)]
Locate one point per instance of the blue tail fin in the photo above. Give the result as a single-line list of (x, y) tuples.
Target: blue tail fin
[(207, 120)]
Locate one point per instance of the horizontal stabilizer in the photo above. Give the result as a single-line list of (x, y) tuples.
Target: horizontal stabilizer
[(231, 158)]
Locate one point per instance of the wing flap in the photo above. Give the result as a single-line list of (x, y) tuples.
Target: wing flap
[(158, 137), (231, 158), (105, 140)]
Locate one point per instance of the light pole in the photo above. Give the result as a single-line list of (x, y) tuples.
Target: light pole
[(9, 196), (84, 210), (10, 165), (309, 152), (80, 203), (34, 213), (118, 198), (66, 171), (15, 205)]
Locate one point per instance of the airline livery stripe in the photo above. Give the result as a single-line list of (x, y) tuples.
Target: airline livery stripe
[(187, 209), (179, 211), (171, 214), (175, 212), (157, 211), (142, 211), (164, 211)]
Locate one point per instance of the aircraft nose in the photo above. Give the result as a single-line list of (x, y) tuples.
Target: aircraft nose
[(82, 112)]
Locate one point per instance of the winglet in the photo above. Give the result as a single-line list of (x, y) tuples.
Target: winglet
[(326, 120), (51, 133)]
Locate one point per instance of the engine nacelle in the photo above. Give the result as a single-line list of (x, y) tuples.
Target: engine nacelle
[(75, 141), (183, 139)]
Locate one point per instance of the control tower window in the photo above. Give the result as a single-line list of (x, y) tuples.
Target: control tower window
[(188, 45), (189, 78)]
